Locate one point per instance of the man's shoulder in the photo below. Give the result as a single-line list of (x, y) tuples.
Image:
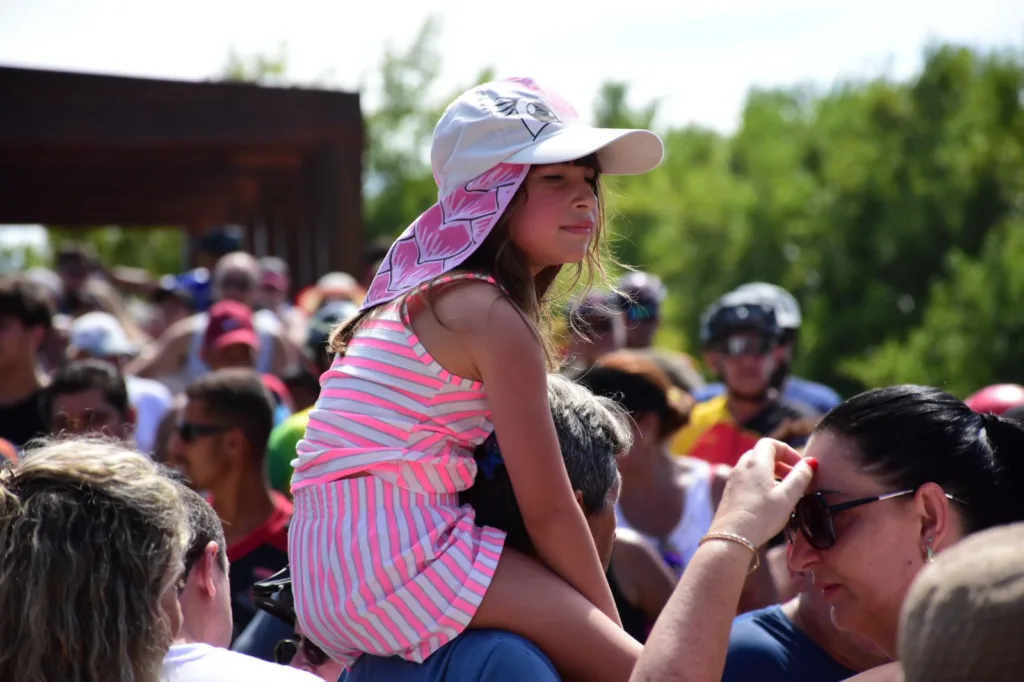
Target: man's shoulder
[(473, 656), (204, 663)]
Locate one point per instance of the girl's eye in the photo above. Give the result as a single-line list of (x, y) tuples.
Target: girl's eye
[(554, 177)]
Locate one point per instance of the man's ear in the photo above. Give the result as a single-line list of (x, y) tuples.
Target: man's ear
[(206, 570)]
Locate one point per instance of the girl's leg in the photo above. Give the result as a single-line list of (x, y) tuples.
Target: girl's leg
[(528, 599)]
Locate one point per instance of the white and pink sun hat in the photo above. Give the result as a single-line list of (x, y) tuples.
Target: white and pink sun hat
[(483, 147)]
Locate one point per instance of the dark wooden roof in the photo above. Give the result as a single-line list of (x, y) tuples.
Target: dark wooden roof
[(80, 149)]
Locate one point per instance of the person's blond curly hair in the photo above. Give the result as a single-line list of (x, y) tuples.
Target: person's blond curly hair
[(92, 538)]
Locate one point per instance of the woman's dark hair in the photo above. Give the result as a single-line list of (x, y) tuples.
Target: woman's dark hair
[(911, 435), (635, 381)]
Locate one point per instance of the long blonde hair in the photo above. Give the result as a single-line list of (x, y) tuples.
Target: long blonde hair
[(92, 537), (534, 296)]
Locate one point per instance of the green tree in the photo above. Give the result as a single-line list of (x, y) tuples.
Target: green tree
[(864, 200)]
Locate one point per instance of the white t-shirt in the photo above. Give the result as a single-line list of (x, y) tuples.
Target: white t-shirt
[(205, 663), (151, 400)]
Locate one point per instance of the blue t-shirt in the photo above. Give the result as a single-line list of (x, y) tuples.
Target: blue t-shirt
[(818, 397), (473, 656), (766, 646)]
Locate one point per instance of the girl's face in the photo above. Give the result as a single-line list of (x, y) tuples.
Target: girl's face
[(559, 217)]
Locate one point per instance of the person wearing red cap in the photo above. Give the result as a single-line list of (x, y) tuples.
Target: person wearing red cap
[(230, 339), (996, 399), (177, 357)]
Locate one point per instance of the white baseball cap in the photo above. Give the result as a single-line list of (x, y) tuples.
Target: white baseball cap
[(517, 121), (483, 148), (100, 334)]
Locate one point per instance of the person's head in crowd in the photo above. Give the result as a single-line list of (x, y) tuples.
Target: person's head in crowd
[(326, 319), (740, 335), (235, 278), (657, 408), (223, 435), (592, 432), (334, 286), (904, 472), (275, 281), (274, 596), (92, 540), (26, 318), (789, 317), (89, 398), (75, 263), (205, 595), (639, 297), (997, 399), (171, 301), (963, 620), (596, 327), (680, 368), (230, 339), (101, 336), (218, 242)]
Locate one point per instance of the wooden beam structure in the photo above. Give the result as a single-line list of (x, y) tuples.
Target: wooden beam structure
[(286, 163)]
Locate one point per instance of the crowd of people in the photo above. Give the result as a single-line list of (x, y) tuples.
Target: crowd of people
[(438, 469)]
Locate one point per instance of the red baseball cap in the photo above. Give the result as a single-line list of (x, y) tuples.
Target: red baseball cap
[(996, 399), (230, 323)]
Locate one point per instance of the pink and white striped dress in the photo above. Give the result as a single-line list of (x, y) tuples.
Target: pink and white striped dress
[(383, 558)]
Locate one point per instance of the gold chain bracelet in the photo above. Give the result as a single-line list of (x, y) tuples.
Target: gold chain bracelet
[(739, 540)]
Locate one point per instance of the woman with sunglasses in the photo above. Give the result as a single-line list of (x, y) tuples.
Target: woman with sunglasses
[(899, 474)]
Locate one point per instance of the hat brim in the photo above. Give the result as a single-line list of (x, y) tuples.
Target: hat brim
[(241, 337), (620, 151)]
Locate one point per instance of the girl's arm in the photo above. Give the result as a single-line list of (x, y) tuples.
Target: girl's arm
[(510, 361)]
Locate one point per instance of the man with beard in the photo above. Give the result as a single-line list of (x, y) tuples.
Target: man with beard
[(741, 336)]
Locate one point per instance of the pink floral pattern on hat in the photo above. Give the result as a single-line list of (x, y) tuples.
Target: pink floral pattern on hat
[(444, 236)]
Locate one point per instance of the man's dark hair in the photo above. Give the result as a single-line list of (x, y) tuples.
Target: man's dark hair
[(79, 376), (592, 433), (75, 252), (204, 527), (26, 301), (238, 398)]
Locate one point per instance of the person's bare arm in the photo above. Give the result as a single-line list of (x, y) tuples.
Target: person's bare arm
[(690, 640), (510, 361), (166, 354), (643, 576)]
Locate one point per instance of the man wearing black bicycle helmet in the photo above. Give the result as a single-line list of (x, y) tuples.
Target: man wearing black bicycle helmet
[(740, 335), (817, 396)]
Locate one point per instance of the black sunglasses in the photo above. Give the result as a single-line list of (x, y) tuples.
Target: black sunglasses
[(739, 346), (285, 650), (190, 432), (814, 517)]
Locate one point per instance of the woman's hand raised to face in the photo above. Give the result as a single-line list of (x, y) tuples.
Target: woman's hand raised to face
[(757, 505)]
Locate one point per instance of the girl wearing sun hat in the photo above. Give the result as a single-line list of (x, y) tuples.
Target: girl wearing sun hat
[(451, 344)]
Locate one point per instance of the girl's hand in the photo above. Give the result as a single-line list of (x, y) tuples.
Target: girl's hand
[(755, 505)]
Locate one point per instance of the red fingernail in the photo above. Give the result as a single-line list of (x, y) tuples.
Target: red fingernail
[(813, 463)]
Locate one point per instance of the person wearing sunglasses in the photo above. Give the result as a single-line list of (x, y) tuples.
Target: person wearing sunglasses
[(740, 335), (818, 397), (220, 445), (274, 597), (639, 297), (899, 475), (595, 327)]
